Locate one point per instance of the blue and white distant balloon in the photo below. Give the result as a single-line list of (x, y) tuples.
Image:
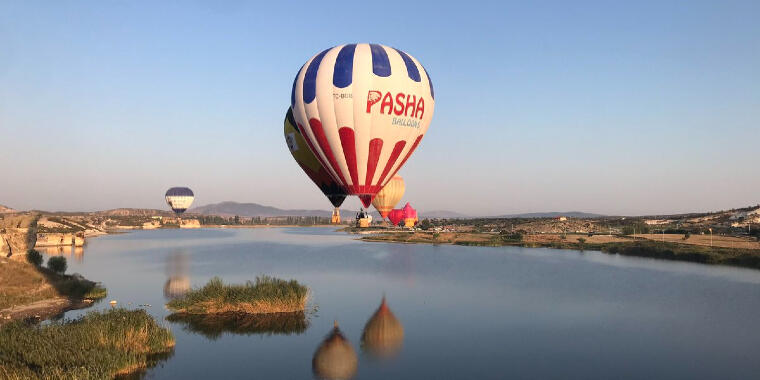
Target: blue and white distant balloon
[(179, 199)]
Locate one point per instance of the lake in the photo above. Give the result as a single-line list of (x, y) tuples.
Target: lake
[(460, 312)]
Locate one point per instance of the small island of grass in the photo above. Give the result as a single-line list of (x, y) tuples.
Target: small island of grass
[(99, 345), (265, 295)]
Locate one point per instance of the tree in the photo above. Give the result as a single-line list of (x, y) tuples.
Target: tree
[(34, 257), (57, 264), (425, 224)]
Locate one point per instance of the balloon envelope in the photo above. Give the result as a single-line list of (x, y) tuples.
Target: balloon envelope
[(309, 163), (362, 109), (391, 194), (395, 216), (179, 199), (409, 212)]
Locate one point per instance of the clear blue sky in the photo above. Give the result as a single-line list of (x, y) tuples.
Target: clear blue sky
[(626, 107)]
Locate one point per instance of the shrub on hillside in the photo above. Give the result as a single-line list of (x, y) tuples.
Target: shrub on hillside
[(34, 257), (57, 264)]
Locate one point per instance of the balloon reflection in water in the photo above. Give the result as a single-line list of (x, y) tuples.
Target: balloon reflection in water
[(212, 326), (178, 284), (383, 334), (335, 358)]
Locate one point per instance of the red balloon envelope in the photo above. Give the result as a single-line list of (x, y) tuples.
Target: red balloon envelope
[(409, 212), (395, 216)]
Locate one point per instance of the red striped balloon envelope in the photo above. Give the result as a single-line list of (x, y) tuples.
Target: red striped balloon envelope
[(309, 163), (363, 109), (395, 216)]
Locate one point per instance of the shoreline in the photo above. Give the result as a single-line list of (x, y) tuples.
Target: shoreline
[(624, 246)]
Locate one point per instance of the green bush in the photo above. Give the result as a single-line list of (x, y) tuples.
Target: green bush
[(687, 235), (34, 257), (57, 264)]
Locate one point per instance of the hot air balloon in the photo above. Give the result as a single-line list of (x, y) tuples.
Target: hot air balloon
[(311, 165), (179, 199), (395, 216), (409, 215), (335, 358), (383, 334), (363, 110), (391, 194)]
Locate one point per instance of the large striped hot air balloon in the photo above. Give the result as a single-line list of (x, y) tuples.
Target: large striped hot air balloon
[(389, 196), (310, 164), (179, 199), (363, 109)]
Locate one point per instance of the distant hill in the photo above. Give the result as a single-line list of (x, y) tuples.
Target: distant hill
[(553, 214), (6, 210), (442, 214), (134, 212), (254, 209)]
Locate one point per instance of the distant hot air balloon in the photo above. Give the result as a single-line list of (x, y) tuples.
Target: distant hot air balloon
[(363, 109), (311, 165), (334, 358), (179, 199), (395, 216), (409, 215), (391, 194)]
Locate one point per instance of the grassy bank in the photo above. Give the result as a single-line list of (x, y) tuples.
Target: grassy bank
[(22, 283), (213, 326), (95, 346), (749, 258), (265, 295)]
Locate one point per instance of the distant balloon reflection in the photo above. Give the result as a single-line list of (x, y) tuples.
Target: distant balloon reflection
[(214, 325), (177, 269), (335, 358), (383, 334)]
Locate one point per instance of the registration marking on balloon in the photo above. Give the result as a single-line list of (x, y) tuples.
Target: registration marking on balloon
[(363, 110)]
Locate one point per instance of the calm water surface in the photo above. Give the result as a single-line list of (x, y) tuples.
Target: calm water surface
[(466, 312)]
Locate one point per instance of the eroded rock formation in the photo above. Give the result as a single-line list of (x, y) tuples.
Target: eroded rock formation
[(18, 234)]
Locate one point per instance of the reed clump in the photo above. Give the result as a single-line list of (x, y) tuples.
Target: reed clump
[(264, 295), (98, 345)]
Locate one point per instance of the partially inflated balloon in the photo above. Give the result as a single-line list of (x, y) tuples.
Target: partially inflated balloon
[(179, 199), (309, 163), (363, 109), (391, 194), (396, 216)]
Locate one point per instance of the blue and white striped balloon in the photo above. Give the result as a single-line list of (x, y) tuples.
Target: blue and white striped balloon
[(363, 109)]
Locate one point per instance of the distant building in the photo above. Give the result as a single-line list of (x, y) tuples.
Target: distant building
[(560, 218)]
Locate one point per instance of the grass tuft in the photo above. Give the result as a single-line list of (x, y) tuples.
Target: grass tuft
[(265, 295), (99, 345)]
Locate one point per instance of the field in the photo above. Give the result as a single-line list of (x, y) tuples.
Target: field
[(704, 240)]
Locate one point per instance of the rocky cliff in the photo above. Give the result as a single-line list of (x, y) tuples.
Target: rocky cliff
[(18, 234)]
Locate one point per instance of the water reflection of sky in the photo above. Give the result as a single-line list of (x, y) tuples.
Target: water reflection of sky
[(466, 311)]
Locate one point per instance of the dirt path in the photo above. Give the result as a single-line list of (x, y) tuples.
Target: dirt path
[(42, 309)]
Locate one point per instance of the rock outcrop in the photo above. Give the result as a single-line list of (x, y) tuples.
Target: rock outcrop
[(190, 223), (59, 239), (18, 234)]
